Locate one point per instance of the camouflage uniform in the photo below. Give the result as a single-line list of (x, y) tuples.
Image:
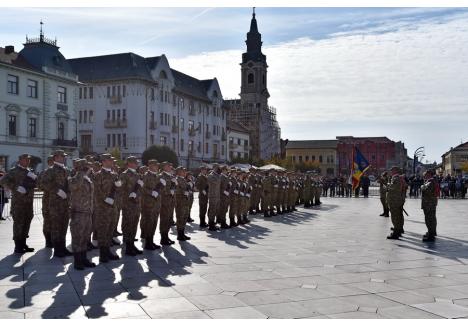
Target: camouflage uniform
[(191, 190), (267, 195), (233, 200), (106, 184), (307, 192), (45, 210), (150, 205), (395, 200), (131, 208), (181, 203), (21, 203), (167, 206), (258, 192), (224, 200), (214, 185), (55, 181), (429, 206), (202, 187), (383, 181), (81, 208)]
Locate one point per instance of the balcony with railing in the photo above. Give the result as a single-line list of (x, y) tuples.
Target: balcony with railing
[(116, 99), (65, 143), (62, 107), (233, 145), (117, 123)]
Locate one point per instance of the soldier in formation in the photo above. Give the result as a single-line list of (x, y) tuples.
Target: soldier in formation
[(429, 194)]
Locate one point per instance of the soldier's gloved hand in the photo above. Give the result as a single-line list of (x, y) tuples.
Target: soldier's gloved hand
[(226, 193), (186, 193), (155, 194), (163, 182), (118, 183), (21, 190), (109, 201), (132, 195), (62, 194), (32, 175), (140, 182), (204, 192)]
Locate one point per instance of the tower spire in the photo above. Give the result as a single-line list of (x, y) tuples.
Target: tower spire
[(41, 34)]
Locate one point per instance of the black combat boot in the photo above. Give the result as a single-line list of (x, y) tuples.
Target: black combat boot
[(224, 225), (203, 224), (26, 248), (428, 238), (149, 244), (401, 232), (232, 222), (86, 262), (272, 212), (246, 220), (66, 252), (103, 256), (190, 219), (251, 212), (213, 227), (130, 249), (78, 261), (394, 236), (165, 239), (180, 235), (58, 251), (138, 251), (19, 249), (266, 214), (48, 240)]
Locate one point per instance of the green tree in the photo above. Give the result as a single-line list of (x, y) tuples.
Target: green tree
[(160, 153)]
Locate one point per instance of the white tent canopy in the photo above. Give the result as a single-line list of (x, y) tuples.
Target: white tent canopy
[(272, 167)]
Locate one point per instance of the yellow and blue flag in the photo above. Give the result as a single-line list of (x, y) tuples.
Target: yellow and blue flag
[(360, 165)]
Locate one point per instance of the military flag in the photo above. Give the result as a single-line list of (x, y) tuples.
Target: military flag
[(360, 165)]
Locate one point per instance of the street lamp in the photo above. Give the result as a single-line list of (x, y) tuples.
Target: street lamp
[(417, 153)]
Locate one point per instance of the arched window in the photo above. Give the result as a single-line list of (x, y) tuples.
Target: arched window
[(163, 74), (61, 131), (250, 78)]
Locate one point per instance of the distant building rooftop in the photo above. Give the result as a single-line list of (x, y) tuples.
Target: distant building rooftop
[(311, 144)]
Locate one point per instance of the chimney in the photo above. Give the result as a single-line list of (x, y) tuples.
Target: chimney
[(9, 49)]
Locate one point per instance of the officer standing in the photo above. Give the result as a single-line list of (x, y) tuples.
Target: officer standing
[(395, 200), (202, 187), (21, 181), (429, 205), (81, 208), (383, 181), (167, 203), (150, 204), (55, 181), (106, 183), (214, 185), (191, 190), (45, 204), (267, 194), (131, 208), (233, 198), (181, 203), (224, 194)]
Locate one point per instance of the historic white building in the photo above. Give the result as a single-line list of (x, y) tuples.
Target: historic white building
[(130, 102), (38, 95)]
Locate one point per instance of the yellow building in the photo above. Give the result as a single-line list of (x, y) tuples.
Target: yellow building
[(453, 160), (321, 152)]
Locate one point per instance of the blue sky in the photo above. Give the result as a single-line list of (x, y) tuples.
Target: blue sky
[(332, 71)]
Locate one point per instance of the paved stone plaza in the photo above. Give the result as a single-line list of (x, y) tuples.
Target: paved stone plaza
[(332, 262)]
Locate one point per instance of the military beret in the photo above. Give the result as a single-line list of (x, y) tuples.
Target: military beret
[(132, 159), (153, 162), (23, 156), (60, 152), (106, 156), (166, 163), (80, 163), (50, 157), (180, 168)]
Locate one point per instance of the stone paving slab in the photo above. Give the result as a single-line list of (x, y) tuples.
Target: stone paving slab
[(328, 262)]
